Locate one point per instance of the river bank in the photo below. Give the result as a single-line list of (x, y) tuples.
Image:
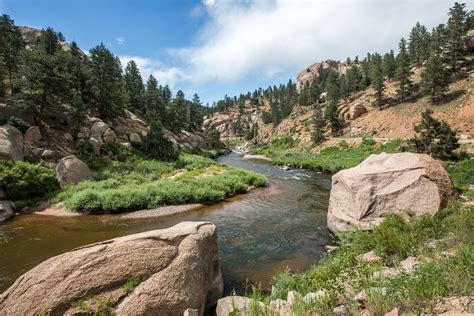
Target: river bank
[(260, 233)]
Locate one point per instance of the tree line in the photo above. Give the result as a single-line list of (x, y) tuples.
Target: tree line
[(46, 77), (438, 52)]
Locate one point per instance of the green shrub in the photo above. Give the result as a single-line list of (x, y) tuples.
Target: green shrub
[(393, 238), (23, 180), (461, 172), (20, 124), (130, 284), (139, 183)]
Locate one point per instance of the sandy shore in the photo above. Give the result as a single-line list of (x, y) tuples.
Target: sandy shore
[(256, 157), (162, 211), (58, 209)]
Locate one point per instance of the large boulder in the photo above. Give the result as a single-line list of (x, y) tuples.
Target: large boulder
[(33, 135), (11, 143), (97, 129), (71, 170), (387, 183), (6, 210), (175, 269)]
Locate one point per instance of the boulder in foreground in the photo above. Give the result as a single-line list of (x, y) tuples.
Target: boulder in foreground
[(174, 269), (387, 183)]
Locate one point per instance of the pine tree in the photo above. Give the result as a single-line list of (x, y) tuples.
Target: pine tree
[(376, 75), (155, 107), (434, 78), (332, 117), (456, 29), (196, 114), (403, 70), (79, 80), (418, 44), (3, 73), (319, 125), (389, 65), (155, 145), (177, 112), (106, 80), (435, 138), (11, 45), (45, 78), (134, 87)]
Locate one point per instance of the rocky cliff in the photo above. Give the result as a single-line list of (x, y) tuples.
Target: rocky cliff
[(312, 72)]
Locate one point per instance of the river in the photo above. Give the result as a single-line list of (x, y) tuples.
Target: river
[(260, 233)]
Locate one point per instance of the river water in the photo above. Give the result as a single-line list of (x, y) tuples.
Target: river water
[(260, 233)]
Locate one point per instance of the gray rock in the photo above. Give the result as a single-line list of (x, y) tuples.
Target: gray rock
[(96, 145), (135, 139), (369, 257), (11, 143), (191, 312), (33, 135), (47, 154), (71, 170), (97, 129), (109, 136), (6, 210)]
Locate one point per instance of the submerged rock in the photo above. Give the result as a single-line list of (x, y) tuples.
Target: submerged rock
[(174, 269), (387, 183)]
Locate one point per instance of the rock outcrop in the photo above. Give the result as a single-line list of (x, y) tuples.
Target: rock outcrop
[(71, 170), (387, 183), (311, 73), (469, 41), (33, 135), (6, 210), (176, 269), (11, 143)]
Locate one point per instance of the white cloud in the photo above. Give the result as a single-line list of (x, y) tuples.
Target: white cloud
[(165, 75), (270, 38), (120, 40), (209, 3)]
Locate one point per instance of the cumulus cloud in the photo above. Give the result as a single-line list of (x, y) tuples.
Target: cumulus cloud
[(270, 38), (165, 75)]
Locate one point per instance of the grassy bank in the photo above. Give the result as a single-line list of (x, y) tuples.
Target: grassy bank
[(138, 183), (331, 159), (442, 245)]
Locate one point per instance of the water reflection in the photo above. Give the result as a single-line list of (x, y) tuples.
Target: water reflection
[(260, 233)]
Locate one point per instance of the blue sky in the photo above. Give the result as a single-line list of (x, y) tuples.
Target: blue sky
[(217, 47)]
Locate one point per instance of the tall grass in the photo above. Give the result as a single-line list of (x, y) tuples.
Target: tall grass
[(330, 159), (144, 184)]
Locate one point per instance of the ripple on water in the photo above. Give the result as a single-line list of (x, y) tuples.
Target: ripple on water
[(260, 233)]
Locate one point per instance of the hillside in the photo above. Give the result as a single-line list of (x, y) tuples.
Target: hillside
[(361, 115)]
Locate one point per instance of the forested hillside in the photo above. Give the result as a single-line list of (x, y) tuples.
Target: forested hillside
[(380, 95)]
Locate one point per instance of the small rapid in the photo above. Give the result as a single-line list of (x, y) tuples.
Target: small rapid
[(260, 233)]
